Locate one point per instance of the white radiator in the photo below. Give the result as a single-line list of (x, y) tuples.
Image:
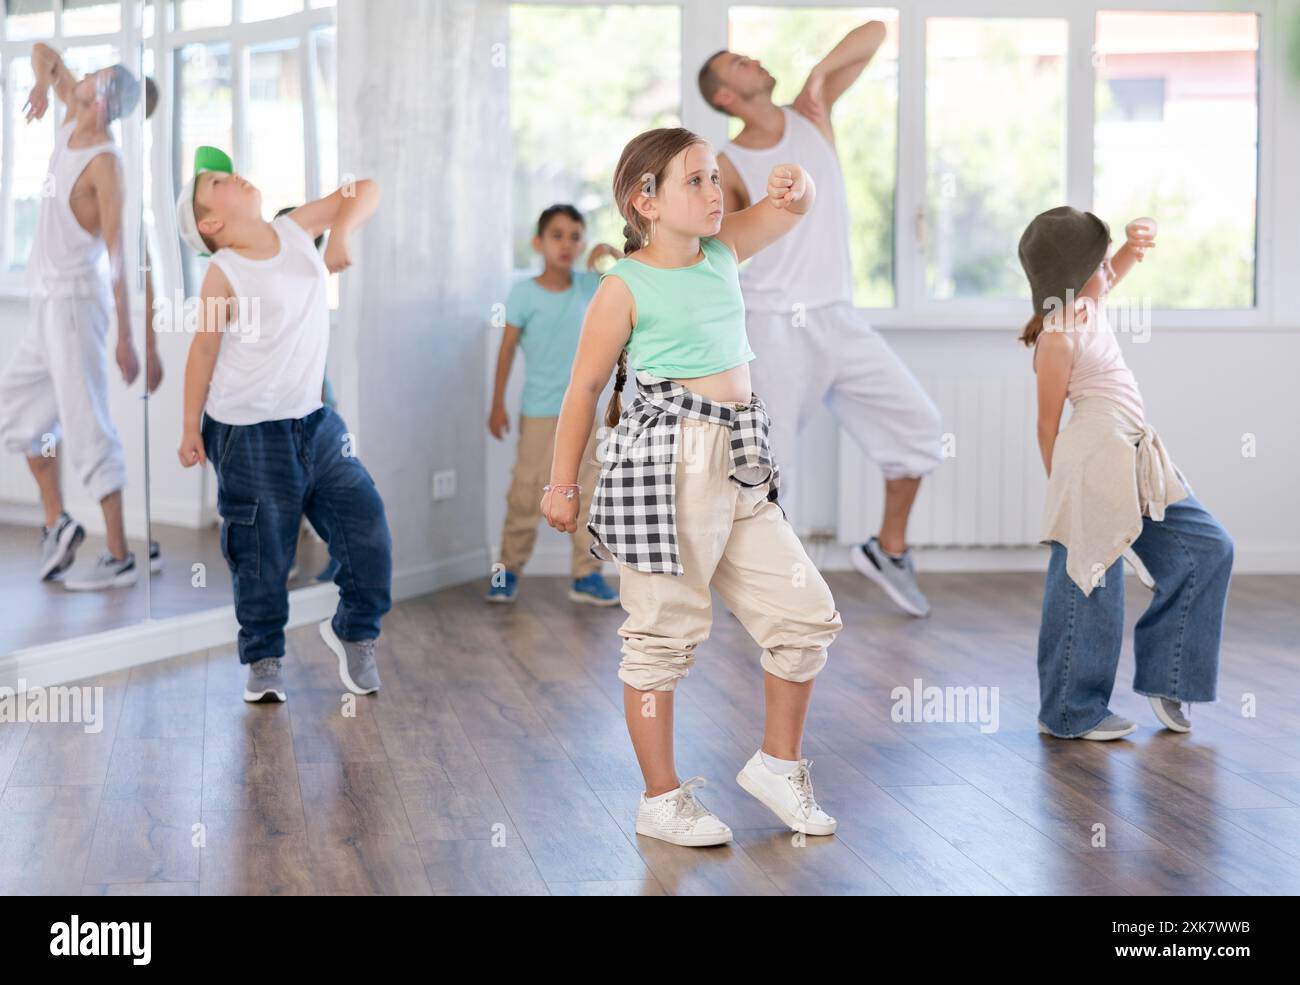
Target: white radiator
[(987, 493)]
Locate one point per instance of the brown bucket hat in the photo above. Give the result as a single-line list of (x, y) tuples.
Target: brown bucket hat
[(1060, 250)]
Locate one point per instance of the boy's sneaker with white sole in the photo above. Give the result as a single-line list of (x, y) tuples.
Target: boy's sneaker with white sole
[(787, 795), (356, 658), (593, 589), (107, 572), (265, 680), (503, 588), (59, 546), (1109, 728), (678, 818)]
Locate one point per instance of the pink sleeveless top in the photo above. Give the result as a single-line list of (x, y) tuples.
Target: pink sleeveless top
[(1099, 369)]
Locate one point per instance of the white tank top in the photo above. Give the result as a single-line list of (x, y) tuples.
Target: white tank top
[(809, 265), (272, 367), (64, 261)]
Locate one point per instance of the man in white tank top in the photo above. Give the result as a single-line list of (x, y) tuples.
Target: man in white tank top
[(55, 388), (813, 345)]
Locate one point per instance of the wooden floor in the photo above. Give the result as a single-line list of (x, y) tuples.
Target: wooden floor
[(495, 760), (39, 612)]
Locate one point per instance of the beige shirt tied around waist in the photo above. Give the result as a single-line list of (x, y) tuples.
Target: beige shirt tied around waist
[(1109, 469)]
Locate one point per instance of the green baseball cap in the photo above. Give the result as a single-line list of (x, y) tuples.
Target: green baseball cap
[(205, 159)]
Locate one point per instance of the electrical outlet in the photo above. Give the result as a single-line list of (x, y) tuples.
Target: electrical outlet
[(444, 484)]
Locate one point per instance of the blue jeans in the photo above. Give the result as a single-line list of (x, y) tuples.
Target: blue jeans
[(268, 476), (1175, 642)]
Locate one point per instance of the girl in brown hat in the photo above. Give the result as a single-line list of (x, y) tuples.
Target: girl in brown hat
[(1111, 487)]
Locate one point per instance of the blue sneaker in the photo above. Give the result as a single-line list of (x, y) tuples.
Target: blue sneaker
[(593, 590), (503, 589)]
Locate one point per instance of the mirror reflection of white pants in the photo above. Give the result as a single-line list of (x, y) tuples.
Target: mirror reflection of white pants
[(832, 355), (56, 385)]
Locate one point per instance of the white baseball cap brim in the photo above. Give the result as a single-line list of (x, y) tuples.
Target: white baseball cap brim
[(186, 224)]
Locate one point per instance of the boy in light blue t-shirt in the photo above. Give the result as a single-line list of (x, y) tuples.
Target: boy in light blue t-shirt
[(544, 317)]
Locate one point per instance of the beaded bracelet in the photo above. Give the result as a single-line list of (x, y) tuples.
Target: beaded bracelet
[(562, 485)]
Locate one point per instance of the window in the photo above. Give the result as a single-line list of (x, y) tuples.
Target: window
[(1134, 99), (275, 150), (91, 17), (204, 115), (29, 20), (202, 13), (994, 148), (325, 71), (26, 147), (788, 41), (584, 81), (266, 9), (1184, 149), (30, 163)]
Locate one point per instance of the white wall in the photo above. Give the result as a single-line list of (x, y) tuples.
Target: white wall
[(423, 111)]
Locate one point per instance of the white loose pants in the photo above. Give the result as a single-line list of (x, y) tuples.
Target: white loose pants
[(835, 357), (56, 383)]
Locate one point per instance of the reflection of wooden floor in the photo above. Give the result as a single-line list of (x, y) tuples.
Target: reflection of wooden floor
[(44, 612), (505, 723)]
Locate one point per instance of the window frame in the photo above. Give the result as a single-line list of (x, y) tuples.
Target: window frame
[(704, 30)]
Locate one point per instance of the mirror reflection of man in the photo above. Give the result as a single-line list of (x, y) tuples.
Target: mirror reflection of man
[(55, 388)]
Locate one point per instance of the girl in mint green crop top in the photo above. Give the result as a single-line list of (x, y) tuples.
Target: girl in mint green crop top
[(690, 321)]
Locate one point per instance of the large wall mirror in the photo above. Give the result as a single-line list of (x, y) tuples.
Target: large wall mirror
[(101, 528), (75, 359)]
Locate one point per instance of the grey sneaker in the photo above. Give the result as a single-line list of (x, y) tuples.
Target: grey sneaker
[(107, 572), (356, 660), (896, 577), (1110, 727), (265, 680), (1171, 715), (59, 547)]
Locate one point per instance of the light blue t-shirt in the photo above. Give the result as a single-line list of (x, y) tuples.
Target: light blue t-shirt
[(550, 323)]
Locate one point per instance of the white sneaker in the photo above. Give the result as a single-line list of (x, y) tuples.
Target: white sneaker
[(787, 795), (679, 819)]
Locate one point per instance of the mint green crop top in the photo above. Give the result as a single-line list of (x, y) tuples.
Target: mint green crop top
[(690, 321)]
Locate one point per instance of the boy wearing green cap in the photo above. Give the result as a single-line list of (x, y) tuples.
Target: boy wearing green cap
[(253, 408)]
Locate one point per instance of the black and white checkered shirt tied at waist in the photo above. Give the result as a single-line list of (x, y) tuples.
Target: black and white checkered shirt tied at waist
[(633, 513)]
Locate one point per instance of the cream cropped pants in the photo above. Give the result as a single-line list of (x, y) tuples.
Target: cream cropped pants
[(730, 538)]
